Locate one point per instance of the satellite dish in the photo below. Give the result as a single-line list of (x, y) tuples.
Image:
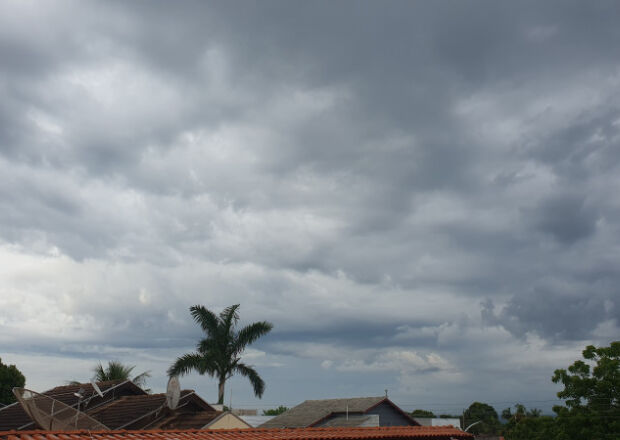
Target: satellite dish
[(52, 415), (96, 387), (173, 392)]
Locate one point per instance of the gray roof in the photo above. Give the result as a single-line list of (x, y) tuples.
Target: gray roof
[(353, 421), (256, 420), (311, 411)]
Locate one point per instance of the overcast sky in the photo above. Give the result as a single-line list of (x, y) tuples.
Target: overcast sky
[(420, 196)]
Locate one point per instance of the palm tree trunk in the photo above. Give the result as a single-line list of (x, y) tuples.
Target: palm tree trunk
[(220, 396)]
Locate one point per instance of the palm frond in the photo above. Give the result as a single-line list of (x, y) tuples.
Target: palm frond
[(191, 362), (117, 371), (249, 334), (230, 317), (257, 383), (205, 318), (100, 373), (208, 346)]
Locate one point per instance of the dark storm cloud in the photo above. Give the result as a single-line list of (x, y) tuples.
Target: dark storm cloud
[(361, 174), (565, 217)]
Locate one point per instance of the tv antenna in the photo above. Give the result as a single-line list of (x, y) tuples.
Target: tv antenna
[(53, 415), (173, 392)]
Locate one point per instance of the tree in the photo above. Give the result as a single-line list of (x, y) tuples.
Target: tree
[(10, 377), (219, 353), (116, 370), (521, 412), (422, 413), (526, 424), (449, 416), (532, 428), (483, 413), (275, 411), (591, 393)]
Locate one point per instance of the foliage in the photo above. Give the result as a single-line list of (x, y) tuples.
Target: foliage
[(591, 394), (521, 412), (483, 413), (532, 428), (219, 353), (526, 424), (10, 377), (117, 371), (275, 411), (449, 416), (422, 413)]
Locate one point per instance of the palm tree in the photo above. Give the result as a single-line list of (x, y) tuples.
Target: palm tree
[(117, 371), (219, 353)]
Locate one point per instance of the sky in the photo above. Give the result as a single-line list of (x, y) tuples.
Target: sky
[(422, 197)]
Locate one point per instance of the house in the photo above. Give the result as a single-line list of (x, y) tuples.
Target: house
[(126, 406), (360, 411), (372, 433), (439, 421), (151, 412), (13, 416), (256, 421)]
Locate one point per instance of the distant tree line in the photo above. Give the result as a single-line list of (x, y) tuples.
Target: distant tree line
[(591, 409), (275, 411)]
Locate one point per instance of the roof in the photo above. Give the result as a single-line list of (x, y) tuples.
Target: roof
[(384, 432), (14, 417), (188, 420), (438, 421), (353, 420), (312, 411), (140, 411), (227, 414), (255, 421)]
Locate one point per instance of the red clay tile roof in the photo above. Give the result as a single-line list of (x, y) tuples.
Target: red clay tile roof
[(378, 433)]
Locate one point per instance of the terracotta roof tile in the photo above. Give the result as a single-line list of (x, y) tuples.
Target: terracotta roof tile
[(368, 433)]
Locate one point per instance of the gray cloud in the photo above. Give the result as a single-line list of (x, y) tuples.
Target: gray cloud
[(565, 218), (364, 177)]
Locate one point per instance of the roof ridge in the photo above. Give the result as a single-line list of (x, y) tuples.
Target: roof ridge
[(346, 398), (70, 385)]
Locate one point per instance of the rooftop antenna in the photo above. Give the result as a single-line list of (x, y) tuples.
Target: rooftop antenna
[(96, 387), (80, 396), (53, 415), (173, 392), (386, 393)]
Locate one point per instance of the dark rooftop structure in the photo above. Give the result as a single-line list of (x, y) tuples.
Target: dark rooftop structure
[(150, 411), (329, 412), (13, 417)]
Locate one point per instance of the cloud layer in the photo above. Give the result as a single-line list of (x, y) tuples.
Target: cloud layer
[(420, 197)]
